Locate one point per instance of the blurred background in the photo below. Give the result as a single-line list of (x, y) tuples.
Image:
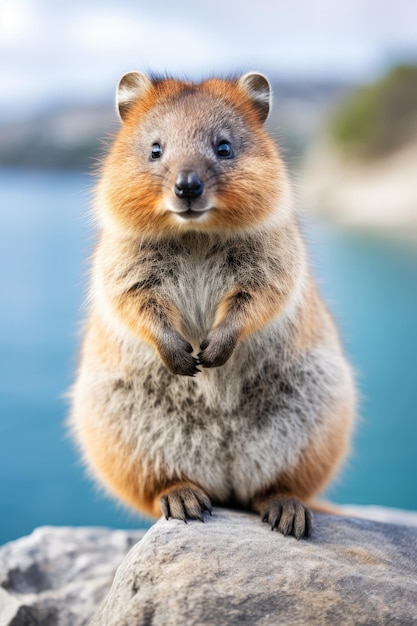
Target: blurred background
[(345, 115)]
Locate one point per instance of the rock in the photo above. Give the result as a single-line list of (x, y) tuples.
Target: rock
[(230, 570), (360, 171), (58, 576), (378, 195), (234, 570)]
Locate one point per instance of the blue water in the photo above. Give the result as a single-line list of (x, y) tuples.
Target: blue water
[(45, 238)]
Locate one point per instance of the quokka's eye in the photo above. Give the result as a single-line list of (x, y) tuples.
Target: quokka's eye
[(156, 152), (224, 150)]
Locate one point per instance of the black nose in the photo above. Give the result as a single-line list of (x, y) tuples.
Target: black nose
[(188, 184)]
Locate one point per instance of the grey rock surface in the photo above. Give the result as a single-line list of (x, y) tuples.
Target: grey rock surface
[(234, 570), (230, 570), (58, 576)]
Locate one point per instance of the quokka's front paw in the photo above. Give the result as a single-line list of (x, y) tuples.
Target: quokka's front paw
[(288, 516), (185, 503), (176, 354), (217, 347)]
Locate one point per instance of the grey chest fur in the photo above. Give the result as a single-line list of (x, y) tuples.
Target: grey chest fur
[(230, 429), (234, 428)]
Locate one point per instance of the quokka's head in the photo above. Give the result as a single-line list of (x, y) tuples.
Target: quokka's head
[(191, 157)]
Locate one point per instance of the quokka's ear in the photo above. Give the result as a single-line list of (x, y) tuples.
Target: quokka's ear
[(258, 90), (132, 86)]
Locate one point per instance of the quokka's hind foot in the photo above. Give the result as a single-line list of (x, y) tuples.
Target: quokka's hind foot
[(288, 516), (185, 502)]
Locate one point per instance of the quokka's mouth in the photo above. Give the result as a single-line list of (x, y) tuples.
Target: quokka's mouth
[(188, 209), (191, 214)]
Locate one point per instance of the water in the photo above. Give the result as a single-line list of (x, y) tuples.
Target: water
[(45, 240)]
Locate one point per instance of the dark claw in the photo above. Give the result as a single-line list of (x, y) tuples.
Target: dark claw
[(299, 523), (275, 516), (217, 347), (185, 503), (207, 362), (288, 516), (285, 524), (309, 522), (204, 502), (204, 345), (165, 506), (200, 359), (191, 370), (175, 352)]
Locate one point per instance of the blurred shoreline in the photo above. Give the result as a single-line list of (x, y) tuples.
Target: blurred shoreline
[(76, 136), (362, 170), (379, 196), (375, 195)]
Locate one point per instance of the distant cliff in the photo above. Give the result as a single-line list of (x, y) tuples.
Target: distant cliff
[(76, 136), (362, 170), (60, 138)]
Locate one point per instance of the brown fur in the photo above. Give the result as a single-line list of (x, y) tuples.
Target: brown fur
[(135, 198), (225, 288)]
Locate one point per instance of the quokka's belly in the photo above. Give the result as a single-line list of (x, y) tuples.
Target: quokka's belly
[(230, 430)]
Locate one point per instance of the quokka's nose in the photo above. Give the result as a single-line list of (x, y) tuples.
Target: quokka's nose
[(188, 184)]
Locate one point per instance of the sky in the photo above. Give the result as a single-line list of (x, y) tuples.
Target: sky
[(55, 50)]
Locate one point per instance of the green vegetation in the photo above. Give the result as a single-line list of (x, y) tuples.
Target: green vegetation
[(379, 118)]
